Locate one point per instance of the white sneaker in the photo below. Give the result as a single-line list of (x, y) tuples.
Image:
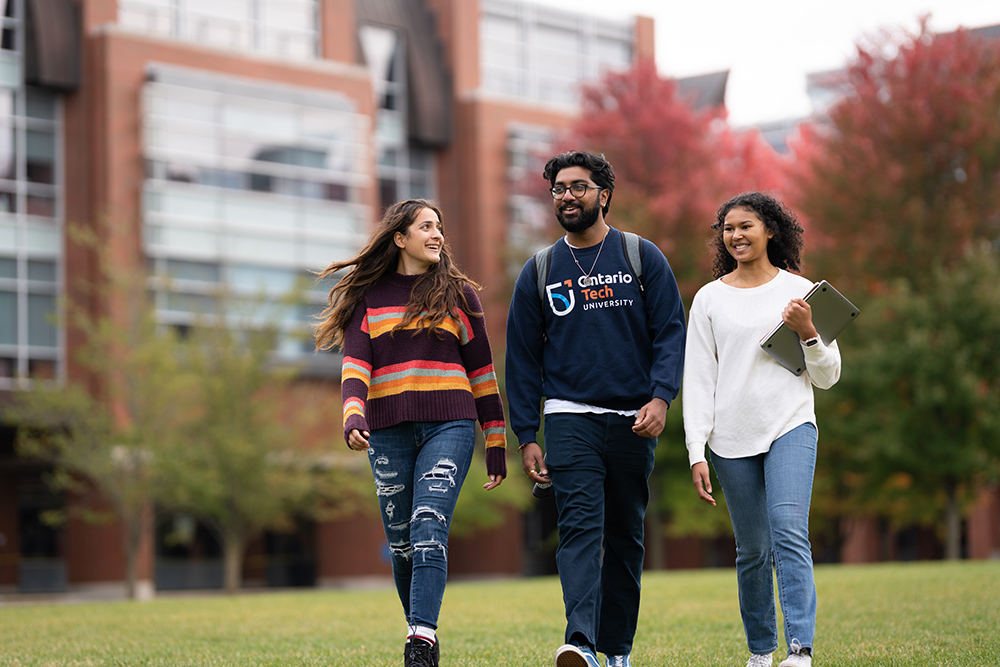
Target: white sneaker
[(798, 655), (801, 659), (758, 660)]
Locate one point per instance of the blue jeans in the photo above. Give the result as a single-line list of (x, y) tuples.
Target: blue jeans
[(419, 468), (768, 497), (600, 470)]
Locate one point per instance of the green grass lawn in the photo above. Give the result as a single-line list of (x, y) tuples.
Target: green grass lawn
[(886, 615)]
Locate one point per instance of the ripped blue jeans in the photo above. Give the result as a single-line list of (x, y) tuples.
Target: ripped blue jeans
[(419, 468)]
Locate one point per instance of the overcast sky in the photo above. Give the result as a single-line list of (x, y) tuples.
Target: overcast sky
[(768, 46)]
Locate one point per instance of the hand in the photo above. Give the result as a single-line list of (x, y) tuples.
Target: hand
[(494, 482), (702, 482), (358, 440), (533, 462), (651, 419), (798, 316)]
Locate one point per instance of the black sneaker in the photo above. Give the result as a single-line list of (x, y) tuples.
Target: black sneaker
[(421, 653)]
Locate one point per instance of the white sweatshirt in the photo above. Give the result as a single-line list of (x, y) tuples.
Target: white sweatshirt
[(737, 399)]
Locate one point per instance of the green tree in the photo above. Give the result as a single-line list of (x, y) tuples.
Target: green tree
[(904, 173), (108, 426), (247, 459), (916, 418)]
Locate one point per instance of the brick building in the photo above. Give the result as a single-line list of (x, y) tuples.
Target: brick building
[(245, 143)]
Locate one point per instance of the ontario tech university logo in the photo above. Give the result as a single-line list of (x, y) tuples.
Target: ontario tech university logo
[(558, 302), (596, 292)]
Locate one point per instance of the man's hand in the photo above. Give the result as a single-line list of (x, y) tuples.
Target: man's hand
[(651, 418), (533, 462)]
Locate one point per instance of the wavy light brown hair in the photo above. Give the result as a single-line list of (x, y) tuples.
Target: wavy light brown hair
[(439, 293)]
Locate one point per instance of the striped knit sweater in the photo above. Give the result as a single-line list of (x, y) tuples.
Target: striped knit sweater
[(389, 379)]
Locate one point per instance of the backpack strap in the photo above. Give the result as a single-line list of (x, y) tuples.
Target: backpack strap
[(542, 271), (632, 245)]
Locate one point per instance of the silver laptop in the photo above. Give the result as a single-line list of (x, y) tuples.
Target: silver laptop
[(831, 313)]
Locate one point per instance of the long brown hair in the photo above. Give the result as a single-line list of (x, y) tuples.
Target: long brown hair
[(440, 292)]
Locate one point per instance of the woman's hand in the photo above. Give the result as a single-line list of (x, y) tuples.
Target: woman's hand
[(495, 481), (702, 482), (358, 440), (798, 316)]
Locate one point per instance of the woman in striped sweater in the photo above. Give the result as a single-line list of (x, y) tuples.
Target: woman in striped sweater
[(417, 373)]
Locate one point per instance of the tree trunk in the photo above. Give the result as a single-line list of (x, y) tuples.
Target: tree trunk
[(233, 547), (953, 528), (131, 567)]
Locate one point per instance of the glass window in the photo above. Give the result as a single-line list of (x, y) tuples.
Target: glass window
[(42, 271), (255, 278), (40, 205), (382, 48), (283, 28), (8, 153), (270, 193), (30, 230), (41, 320), (187, 270), (275, 122), (39, 104), (42, 369), (544, 54), (8, 318), (41, 151)]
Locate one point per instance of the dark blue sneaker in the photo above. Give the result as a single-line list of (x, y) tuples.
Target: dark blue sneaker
[(569, 655)]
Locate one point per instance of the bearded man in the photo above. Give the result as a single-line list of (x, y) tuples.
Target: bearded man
[(603, 344)]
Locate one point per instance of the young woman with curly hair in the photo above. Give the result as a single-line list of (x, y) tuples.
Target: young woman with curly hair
[(757, 418), (417, 373)]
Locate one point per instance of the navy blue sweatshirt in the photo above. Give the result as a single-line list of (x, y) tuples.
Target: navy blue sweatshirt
[(598, 343)]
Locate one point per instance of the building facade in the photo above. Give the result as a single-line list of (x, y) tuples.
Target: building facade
[(244, 144)]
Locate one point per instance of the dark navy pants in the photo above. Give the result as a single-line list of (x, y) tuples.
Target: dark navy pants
[(600, 471)]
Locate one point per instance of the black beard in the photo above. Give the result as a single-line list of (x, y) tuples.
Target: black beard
[(583, 222)]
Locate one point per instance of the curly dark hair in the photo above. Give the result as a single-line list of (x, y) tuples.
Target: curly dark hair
[(440, 292), (784, 248), (600, 170)]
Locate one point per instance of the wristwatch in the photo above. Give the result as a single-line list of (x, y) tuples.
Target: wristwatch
[(810, 342)]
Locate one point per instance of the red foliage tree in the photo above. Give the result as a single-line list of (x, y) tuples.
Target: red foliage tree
[(673, 164), (905, 173)]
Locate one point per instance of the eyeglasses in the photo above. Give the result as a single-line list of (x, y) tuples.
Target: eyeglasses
[(578, 190)]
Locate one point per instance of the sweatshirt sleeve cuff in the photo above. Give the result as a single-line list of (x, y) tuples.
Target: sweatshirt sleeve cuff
[(355, 422), (696, 454), (496, 461), (663, 393), (526, 436)]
